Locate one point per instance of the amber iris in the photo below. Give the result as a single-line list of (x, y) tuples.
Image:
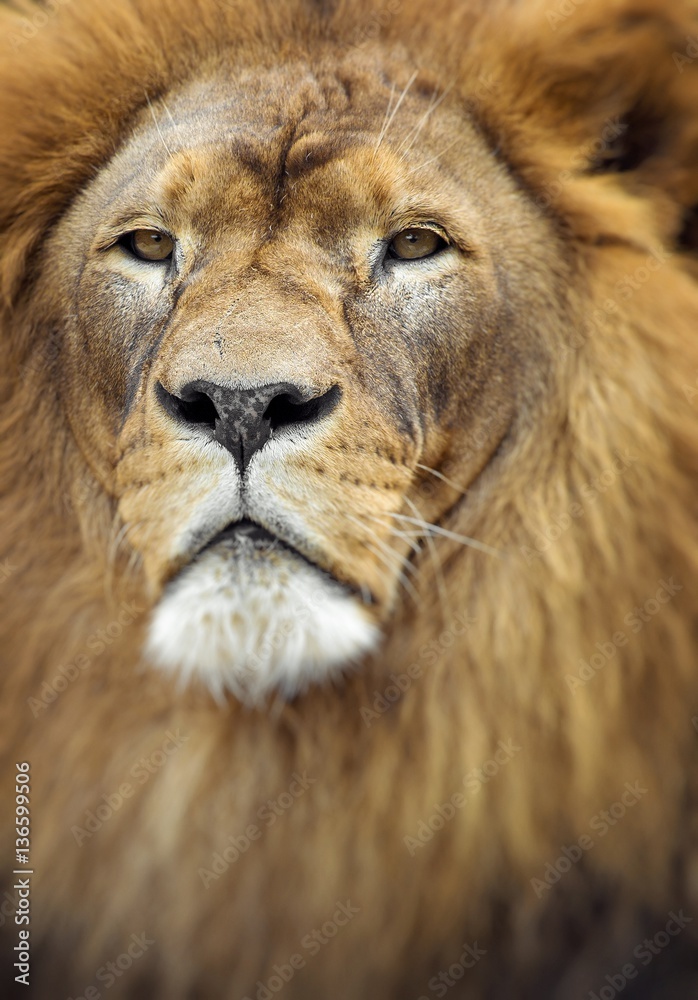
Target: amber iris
[(150, 244), (413, 244)]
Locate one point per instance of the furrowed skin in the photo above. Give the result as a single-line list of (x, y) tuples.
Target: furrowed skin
[(424, 723)]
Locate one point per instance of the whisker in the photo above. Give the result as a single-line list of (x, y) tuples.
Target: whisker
[(395, 110), (133, 564), (404, 580), (452, 535), (418, 166), (118, 536), (407, 537), (167, 112), (386, 116), (407, 143), (445, 479), (436, 562), (365, 594), (390, 553), (395, 563), (119, 532), (162, 139), (403, 149)]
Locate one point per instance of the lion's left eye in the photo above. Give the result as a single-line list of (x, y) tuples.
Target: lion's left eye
[(415, 244), (148, 244)]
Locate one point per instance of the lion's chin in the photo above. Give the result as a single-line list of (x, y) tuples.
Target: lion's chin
[(254, 621)]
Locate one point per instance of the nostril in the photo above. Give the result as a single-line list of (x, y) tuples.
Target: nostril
[(193, 407), (285, 409), (199, 409)]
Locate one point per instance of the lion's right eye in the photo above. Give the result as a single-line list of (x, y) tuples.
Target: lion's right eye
[(416, 244), (148, 244)]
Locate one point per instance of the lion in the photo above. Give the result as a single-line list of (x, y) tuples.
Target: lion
[(349, 443)]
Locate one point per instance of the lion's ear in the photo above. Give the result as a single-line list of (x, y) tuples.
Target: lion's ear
[(592, 91)]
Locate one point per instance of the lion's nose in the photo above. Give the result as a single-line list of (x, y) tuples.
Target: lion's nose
[(243, 419)]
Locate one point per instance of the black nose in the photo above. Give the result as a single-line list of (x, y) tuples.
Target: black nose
[(243, 420)]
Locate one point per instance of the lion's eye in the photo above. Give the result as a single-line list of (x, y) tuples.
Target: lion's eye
[(413, 244), (148, 244)]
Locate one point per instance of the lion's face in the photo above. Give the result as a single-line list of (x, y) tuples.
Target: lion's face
[(306, 287)]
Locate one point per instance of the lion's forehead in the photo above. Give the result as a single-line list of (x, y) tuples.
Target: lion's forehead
[(269, 128), (263, 102), (289, 118)]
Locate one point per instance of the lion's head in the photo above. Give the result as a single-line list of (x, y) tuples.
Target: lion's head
[(285, 300), (360, 359)]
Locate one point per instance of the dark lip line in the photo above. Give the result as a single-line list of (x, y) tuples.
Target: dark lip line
[(276, 540), (247, 525)]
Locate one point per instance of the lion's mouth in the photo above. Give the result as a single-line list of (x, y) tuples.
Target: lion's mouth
[(250, 613), (247, 537), (238, 531)]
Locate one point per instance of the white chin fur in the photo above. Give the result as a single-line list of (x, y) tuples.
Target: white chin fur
[(252, 621)]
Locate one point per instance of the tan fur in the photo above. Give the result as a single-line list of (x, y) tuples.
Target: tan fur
[(559, 350)]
